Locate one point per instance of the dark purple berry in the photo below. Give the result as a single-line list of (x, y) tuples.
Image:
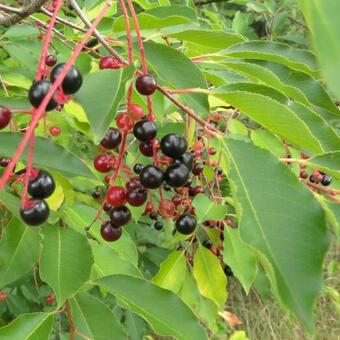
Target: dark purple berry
[(151, 177), (176, 175), (34, 212), (37, 93), (145, 130), (186, 224), (42, 186), (120, 215), (72, 81), (146, 85), (111, 139), (173, 145)]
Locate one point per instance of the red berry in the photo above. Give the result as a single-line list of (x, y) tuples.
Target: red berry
[(107, 179), (103, 163), (198, 153), (166, 208), (177, 200), (108, 63), (304, 174), (110, 232), (135, 112), (124, 122), (55, 131), (116, 196), (51, 60), (146, 85), (149, 208), (5, 116), (212, 151), (50, 299), (3, 296), (217, 116)]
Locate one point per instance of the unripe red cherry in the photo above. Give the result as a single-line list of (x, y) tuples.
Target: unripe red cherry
[(212, 151), (177, 200), (166, 208), (103, 163), (108, 63), (50, 299), (217, 116), (146, 85), (51, 60), (124, 122), (149, 207), (5, 116), (3, 296), (135, 112), (116, 196), (304, 174), (109, 232), (55, 131)]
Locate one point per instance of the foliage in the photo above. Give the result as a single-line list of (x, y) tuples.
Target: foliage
[(247, 69)]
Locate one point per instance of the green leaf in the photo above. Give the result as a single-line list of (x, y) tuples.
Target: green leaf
[(11, 202), (33, 326), (19, 250), (100, 96), (108, 261), (297, 59), (284, 122), (21, 32), (294, 84), (281, 220), (161, 308), (93, 319), (328, 162), (210, 278), (65, 262), (332, 210), (177, 71), (322, 19), (47, 154), (239, 257), (172, 271), (206, 209), (269, 141), (215, 40), (81, 216)]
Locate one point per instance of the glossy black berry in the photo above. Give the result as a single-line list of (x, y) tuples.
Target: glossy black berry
[(146, 149), (153, 215), (137, 196), (112, 139), (173, 145), (197, 169), (34, 212), (326, 180), (72, 81), (120, 215), (42, 186), (96, 195), (4, 162), (207, 243), (176, 175), (137, 168), (186, 224), (110, 232), (158, 225), (146, 85), (51, 60), (187, 159), (145, 130), (151, 177), (312, 179), (37, 93), (107, 207)]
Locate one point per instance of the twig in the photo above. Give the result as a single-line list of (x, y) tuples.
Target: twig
[(21, 13), (70, 320), (169, 95)]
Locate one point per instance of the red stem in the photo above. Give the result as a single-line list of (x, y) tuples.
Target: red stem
[(139, 36), (41, 64), (41, 109), (129, 43)]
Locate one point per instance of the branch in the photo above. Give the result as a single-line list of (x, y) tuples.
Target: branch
[(167, 94), (22, 13)]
